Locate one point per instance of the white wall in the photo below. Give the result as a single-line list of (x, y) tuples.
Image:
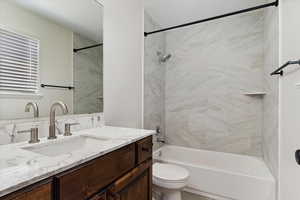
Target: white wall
[(271, 85), (123, 62), (56, 59), (289, 171)]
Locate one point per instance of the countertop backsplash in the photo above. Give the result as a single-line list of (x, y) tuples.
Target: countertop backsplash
[(9, 128)]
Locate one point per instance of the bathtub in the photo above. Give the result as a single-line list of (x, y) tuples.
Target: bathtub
[(221, 176)]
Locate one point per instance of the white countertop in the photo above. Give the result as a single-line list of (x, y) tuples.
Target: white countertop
[(20, 168)]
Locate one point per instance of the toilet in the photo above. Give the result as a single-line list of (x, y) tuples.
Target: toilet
[(169, 180)]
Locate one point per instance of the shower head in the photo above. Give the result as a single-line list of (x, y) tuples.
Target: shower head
[(163, 58)]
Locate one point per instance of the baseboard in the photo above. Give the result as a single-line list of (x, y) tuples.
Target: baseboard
[(205, 194)]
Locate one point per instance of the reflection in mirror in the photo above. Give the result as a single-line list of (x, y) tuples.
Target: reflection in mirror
[(55, 43)]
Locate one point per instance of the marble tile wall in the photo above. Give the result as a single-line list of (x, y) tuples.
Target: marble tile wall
[(270, 102), (88, 77), (9, 128), (154, 76), (212, 66)]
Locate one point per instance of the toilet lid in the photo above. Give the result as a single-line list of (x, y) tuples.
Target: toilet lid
[(169, 172)]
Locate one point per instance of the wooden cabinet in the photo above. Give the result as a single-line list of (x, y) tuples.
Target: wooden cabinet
[(137, 190), (84, 181), (135, 185), (40, 191), (124, 174), (101, 196), (144, 150)]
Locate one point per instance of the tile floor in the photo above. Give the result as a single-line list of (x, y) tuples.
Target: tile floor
[(189, 196)]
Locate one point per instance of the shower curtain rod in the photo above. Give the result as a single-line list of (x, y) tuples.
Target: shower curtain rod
[(88, 47), (275, 3)]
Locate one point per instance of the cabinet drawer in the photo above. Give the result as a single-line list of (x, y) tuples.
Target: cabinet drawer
[(38, 192), (85, 181), (99, 197), (144, 149), (135, 185)]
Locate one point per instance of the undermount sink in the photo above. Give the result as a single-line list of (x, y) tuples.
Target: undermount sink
[(66, 146)]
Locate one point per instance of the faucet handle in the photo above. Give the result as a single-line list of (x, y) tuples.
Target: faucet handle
[(68, 128), (161, 140), (34, 135)]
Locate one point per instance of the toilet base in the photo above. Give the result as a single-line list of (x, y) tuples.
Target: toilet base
[(167, 194), (169, 180), (172, 195)]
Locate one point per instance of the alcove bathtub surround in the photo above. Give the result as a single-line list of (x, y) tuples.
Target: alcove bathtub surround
[(200, 100), (216, 94)]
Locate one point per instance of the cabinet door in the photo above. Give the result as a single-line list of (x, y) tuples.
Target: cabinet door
[(85, 181), (144, 149), (138, 190), (136, 185)]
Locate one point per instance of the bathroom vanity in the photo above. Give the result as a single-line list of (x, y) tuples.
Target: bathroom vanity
[(121, 170), (52, 60)]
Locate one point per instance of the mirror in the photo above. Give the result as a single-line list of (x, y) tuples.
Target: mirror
[(50, 50)]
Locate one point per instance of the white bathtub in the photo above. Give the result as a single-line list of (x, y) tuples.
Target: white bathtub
[(221, 176)]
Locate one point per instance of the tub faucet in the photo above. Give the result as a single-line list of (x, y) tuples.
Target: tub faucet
[(160, 137), (52, 127), (161, 140), (35, 108)]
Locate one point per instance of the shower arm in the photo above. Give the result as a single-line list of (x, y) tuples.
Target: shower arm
[(279, 71)]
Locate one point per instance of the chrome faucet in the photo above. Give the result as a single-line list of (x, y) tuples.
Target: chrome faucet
[(35, 108), (34, 135), (52, 127), (34, 132), (160, 137)]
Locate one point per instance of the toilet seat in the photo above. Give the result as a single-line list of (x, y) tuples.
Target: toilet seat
[(169, 176)]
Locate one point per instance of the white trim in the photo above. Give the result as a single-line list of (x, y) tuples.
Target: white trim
[(204, 194), (101, 2), (255, 93), (19, 95), (42, 119), (15, 31)]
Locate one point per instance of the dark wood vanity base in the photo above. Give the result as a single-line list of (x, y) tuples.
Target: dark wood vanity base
[(124, 174)]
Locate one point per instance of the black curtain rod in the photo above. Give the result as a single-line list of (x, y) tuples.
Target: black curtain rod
[(57, 86), (216, 17), (88, 47)]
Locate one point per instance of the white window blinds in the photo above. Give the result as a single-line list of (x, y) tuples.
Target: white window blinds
[(19, 63)]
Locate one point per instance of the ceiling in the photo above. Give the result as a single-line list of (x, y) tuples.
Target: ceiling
[(175, 12), (81, 16)]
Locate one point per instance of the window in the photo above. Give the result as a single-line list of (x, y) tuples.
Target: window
[(19, 63)]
